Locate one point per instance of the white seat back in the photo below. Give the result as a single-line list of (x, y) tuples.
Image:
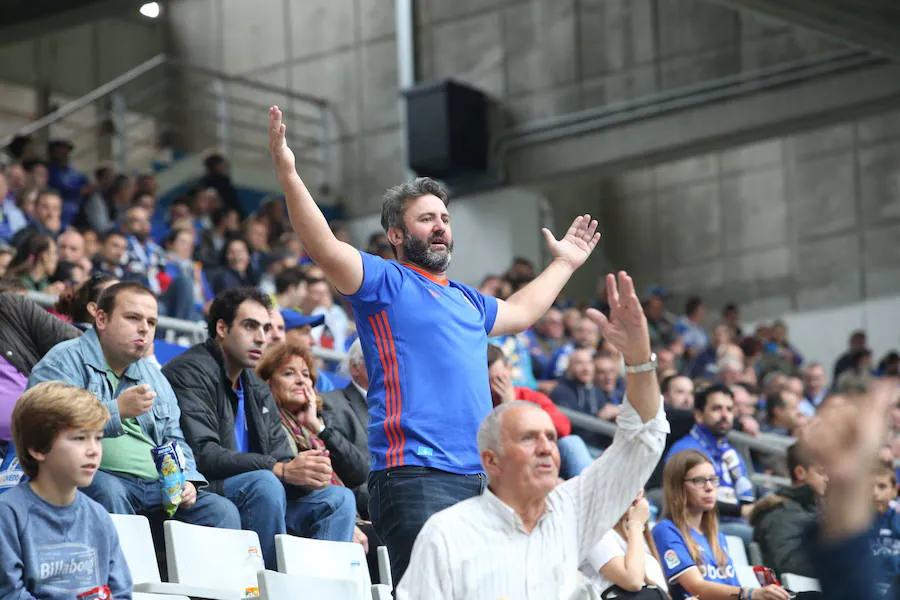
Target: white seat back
[(384, 567), (323, 559), (756, 556), (800, 583), (136, 542), (746, 577), (279, 586), (221, 559), (736, 551)]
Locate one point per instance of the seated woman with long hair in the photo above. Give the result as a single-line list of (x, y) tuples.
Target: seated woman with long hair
[(80, 304), (289, 371), (694, 558), (626, 558), (35, 263)]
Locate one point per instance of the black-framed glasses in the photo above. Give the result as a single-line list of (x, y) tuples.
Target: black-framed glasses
[(703, 481)]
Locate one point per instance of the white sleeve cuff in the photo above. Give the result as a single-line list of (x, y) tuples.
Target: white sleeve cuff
[(631, 425)]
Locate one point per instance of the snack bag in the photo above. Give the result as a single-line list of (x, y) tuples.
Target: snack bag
[(170, 464)]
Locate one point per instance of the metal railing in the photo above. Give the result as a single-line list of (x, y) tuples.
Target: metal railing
[(765, 443), (165, 104), (193, 331)]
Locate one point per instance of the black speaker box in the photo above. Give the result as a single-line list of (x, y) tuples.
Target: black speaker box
[(446, 130)]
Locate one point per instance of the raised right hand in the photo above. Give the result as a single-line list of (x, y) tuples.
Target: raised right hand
[(310, 469), (135, 401), (282, 155)]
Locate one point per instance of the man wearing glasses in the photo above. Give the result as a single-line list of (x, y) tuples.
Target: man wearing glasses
[(714, 416)]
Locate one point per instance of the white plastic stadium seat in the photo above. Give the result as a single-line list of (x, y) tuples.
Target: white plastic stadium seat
[(736, 551), (330, 560), (746, 577), (799, 583), (756, 557), (279, 586), (384, 567), (136, 542), (226, 561)]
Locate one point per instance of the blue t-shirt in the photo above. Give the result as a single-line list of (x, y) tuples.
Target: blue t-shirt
[(735, 486), (425, 346), (68, 181), (885, 545), (559, 362), (241, 435), (11, 473), (58, 552), (675, 558), (517, 352)]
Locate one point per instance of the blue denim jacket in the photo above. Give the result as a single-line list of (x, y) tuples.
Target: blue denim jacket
[(80, 362)]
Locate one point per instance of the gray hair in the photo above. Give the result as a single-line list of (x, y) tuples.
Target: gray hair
[(395, 199), (489, 433), (354, 356)]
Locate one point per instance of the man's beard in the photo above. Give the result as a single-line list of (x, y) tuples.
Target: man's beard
[(720, 429), (419, 252)]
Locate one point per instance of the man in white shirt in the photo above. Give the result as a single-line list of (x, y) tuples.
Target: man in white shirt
[(525, 536)]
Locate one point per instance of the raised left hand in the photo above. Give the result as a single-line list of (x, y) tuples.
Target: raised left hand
[(626, 328), (578, 243), (189, 495)]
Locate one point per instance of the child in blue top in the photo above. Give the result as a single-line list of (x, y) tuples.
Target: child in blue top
[(885, 541), (692, 551), (55, 542)]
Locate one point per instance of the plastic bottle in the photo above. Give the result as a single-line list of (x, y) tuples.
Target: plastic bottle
[(253, 563)]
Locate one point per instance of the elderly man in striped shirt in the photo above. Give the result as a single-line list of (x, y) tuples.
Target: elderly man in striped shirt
[(525, 536)]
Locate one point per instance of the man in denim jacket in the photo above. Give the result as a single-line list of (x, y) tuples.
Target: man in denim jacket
[(108, 361)]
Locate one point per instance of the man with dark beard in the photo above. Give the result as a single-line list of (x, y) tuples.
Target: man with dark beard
[(714, 417), (424, 340), (145, 261)]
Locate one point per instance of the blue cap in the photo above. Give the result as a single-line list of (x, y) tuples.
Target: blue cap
[(656, 290), (294, 319)]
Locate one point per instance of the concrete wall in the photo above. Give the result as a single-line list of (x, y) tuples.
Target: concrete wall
[(46, 72), (790, 224), (535, 58), (793, 224), (74, 61)]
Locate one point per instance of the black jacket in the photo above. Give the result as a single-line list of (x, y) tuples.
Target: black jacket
[(346, 416), (208, 405), (781, 522), (28, 332)]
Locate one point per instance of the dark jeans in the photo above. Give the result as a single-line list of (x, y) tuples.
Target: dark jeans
[(401, 500)]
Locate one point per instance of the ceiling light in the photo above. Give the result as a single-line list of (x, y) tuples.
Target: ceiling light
[(150, 10)]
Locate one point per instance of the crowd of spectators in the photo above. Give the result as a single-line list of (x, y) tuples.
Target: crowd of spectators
[(275, 440)]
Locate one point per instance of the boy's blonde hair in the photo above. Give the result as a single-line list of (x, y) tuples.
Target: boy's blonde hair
[(46, 410)]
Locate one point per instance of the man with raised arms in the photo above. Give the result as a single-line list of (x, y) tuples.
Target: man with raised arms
[(424, 338)]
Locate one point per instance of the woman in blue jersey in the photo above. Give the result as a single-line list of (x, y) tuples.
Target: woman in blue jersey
[(693, 553)]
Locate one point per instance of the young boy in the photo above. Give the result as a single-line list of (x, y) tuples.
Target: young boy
[(55, 542), (886, 539)]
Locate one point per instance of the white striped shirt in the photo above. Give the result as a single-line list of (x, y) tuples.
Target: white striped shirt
[(480, 550)]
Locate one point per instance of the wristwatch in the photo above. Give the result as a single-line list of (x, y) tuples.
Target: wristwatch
[(643, 368)]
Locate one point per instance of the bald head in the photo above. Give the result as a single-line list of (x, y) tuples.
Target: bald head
[(518, 447), (70, 246)]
